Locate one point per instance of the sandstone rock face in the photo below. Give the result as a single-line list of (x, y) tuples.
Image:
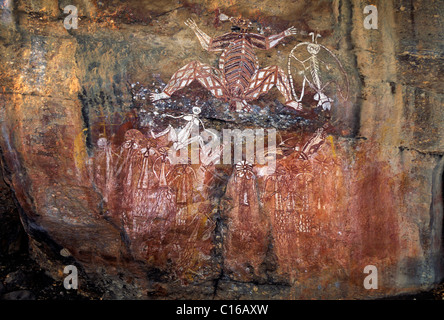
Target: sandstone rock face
[(12, 235), (357, 185)]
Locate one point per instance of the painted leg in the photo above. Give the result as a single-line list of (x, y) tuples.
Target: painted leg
[(187, 74), (265, 79)]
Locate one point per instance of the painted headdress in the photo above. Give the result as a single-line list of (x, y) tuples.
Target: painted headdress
[(238, 24)]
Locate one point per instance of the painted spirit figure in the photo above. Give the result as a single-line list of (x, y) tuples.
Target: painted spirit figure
[(321, 69), (185, 136), (239, 78)]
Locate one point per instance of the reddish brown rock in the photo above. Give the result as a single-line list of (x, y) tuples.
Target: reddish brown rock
[(91, 178)]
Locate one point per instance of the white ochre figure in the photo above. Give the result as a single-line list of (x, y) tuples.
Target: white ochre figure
[(185, 137), (320, 68)]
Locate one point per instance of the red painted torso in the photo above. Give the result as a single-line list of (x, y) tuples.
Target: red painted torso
[(238, 62)]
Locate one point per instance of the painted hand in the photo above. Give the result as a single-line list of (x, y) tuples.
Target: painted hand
[(158, 96), (290, 31), (191, 24)]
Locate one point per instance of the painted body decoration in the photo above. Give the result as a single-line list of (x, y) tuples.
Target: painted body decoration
[(239, 78), (247, 227)]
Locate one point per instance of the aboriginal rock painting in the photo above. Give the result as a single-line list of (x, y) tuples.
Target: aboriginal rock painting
[(320, 69), (289, 210), (151, 198), (239, 78), (168, 210)]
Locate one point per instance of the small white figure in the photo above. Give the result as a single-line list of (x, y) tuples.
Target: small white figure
[(184, 137)]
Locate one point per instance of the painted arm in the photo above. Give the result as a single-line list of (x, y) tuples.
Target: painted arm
[(204, 39), (273, 40), (208, 43)]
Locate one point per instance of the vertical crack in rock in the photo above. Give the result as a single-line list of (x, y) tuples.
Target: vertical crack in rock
[(12, 234), (219, 235), (437, 221), (440, 263), (349, 25), (86, 123)]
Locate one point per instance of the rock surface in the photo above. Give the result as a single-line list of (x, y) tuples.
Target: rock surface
[(36, 280), (90, 179), (19, 295), (16, 278), (12, 235)]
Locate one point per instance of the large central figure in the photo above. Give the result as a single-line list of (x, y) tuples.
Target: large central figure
[(238, 79)]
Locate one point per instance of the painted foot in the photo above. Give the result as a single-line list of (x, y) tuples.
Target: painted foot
[(158, 96), (243, 106), (324, 101), (295, 105)]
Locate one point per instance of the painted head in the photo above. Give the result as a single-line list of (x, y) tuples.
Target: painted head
[(238, 24), (196, 110), (313, 48), (102, 143)]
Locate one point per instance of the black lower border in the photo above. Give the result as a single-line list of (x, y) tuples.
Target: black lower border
[(223, 309)]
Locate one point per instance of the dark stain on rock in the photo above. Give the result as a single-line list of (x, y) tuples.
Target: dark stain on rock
[(86, 120)]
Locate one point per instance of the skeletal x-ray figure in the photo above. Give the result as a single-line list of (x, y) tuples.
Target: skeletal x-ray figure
[(238, 79), (320, 68)]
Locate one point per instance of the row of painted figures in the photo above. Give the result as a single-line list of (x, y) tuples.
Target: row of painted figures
[(138, 180)]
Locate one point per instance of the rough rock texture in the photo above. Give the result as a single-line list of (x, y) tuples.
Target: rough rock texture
[(12, 235), (75, 138)]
